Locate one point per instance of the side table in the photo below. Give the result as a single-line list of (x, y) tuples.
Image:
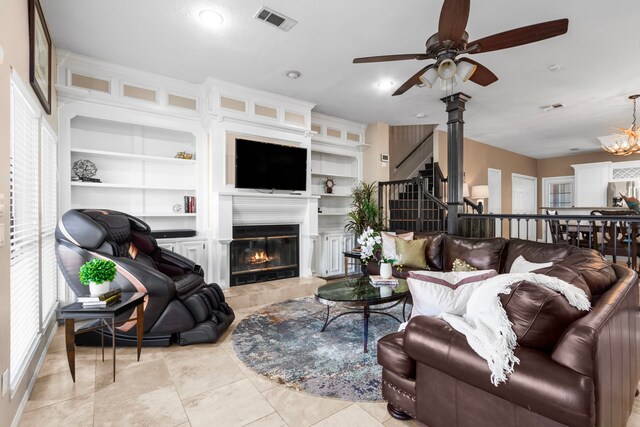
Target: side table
[(75, 311)]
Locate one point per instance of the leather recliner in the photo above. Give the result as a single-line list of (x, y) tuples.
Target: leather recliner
[(179, 306)]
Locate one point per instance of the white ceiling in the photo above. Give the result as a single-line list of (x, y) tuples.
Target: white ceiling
[(600, 56)]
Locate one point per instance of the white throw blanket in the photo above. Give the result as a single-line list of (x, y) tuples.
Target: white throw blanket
[(487, 328)]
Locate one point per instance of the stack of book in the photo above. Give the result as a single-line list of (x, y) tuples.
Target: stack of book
[(100, 300), (189, 204), (380, 281)]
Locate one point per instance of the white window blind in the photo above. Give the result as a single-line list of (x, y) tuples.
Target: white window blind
[(24, 231), (48, 217)]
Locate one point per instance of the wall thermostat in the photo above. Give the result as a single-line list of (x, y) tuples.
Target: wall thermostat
[(384, 158)]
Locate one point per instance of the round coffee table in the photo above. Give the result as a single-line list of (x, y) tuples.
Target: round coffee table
[(361, 295)]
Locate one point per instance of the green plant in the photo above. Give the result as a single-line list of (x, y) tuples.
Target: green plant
[(364, 212), (97, 271)]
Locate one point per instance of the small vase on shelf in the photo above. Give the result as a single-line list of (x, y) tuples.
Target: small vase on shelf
[(96, 289), (385, 270)]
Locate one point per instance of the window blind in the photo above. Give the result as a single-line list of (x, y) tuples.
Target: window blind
[(23, 231), (48, 217)]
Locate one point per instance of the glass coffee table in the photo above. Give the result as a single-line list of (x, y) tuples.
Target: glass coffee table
[(358, 294)]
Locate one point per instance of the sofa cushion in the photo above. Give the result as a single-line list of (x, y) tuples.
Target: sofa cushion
[(412, 252), (391, 355), (483, 254), (596, 271), (567, 274), (535, 252), (433, 251), (435, 293), (539, 315)]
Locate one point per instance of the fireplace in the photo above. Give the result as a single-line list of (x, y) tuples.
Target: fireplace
[(264, 252)]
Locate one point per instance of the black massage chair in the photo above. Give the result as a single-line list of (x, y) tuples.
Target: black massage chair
[(179, 305)]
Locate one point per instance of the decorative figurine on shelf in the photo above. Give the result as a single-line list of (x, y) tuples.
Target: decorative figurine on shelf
[(85, 170), (184, 155), (177, 208), (328, 184)]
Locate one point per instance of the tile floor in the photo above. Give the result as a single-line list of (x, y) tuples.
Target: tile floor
[(200, 385)]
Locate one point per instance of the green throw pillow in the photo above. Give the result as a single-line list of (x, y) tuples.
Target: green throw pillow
[(412, 253), (459, 265)]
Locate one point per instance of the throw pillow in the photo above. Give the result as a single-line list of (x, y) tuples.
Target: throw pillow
[(459, 265), (389, 243), (538, 314), (521, 265), (435, 293), (412, 252)]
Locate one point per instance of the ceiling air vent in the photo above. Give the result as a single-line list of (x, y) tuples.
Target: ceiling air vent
[(275, 18), (547, 108)]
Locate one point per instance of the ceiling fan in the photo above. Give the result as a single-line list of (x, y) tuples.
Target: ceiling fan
[(452, 40)]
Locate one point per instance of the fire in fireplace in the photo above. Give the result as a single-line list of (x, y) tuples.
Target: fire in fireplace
[(262, 253)]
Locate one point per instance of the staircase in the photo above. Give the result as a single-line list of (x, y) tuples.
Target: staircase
[(415, 204)]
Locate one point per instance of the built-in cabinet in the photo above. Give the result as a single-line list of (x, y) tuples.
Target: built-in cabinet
[(194, 249), (336, 153)]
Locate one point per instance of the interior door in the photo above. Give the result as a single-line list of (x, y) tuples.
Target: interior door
[(523, 200), (494, 205)]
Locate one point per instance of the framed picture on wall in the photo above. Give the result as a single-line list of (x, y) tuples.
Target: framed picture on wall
[(39, 55)]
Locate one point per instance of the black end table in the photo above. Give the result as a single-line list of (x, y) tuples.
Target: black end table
[(75, 311)]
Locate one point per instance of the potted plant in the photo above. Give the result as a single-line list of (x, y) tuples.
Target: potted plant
[(364, 212), (98, 275), (370, 242)]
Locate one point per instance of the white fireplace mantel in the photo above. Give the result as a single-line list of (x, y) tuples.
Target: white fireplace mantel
[(254, 208)]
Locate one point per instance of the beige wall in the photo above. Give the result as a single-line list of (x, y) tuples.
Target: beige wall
[(14, 39), (377, 136), (478, 157)]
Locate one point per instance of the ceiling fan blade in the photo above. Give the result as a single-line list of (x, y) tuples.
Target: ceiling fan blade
[(453, 20), (482, 76), (520, 36), (413, 80), (385, 58)]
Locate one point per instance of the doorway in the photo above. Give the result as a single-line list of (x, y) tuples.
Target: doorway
[(494, 205), (524, 201)]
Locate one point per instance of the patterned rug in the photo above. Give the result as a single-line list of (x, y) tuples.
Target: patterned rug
[(283, 342)]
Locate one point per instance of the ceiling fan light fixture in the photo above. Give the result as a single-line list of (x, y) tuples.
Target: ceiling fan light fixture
[(465, 70), (447, 69), (429, 78)]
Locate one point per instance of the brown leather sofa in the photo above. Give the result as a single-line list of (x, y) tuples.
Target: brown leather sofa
[(585, 374)]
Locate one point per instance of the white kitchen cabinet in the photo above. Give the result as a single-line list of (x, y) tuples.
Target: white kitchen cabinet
[(591, 181)]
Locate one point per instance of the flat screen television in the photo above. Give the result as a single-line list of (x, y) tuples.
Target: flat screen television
[(262, 165)]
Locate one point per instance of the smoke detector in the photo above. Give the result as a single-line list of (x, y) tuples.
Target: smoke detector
[(274, 18), (547, 108)]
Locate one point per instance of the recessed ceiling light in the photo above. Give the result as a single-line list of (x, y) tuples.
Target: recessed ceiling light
[(555, 67), (293, 74), (210, 18), (574, 149), (385, 84), (421, 116)]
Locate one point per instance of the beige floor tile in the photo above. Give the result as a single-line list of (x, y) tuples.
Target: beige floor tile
[(376, 409), (236, 404), (59, 386), (352, 416), (157, 408), (299, 409), (57, 343), (199, 369), (57, 361), (271, 420), (392, 422), (260, 382), (73, 412), (132, 379)]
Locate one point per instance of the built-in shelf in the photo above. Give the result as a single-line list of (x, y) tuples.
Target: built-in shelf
[(131, 186), (334, 175), (132, 156), (332, 195), (341, 213)]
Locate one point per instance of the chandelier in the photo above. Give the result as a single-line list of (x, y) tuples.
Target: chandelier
[(626, 142)]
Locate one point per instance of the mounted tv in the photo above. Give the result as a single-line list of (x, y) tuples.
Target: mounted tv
[(260, 165)]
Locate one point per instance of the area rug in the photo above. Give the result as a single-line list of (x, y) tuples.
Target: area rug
[(283, 342)]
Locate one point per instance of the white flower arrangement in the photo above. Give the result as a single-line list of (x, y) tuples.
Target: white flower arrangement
[(370, 241)]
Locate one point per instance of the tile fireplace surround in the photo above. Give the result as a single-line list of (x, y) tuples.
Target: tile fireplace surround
[(252, 209)]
